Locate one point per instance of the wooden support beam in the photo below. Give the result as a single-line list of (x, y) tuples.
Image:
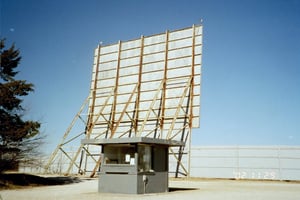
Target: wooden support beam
[(91, 113), (123, 112), (96, 167), (163, 98), (66, 134), (150, 108), (192, 81), (113, 112), (179, 161), (137, 102), (178, 108), (73, 160), (101, 110)]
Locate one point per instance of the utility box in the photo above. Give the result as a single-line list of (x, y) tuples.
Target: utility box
[(136, 165)]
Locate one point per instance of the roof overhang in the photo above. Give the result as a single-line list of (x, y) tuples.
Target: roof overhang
[(132, 140)]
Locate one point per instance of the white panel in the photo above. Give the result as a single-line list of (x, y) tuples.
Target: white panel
[(180, 53), (97, 109), (168, 124), (196, 100), (95, 61), (180, 34), (143, 114), (107, 74), (147, 96), (179, 62), (93, 77), (197, 81), (101, 97), (108, 65), (154, 67), (106, 83), (128, 80), (198, 40), (175, 92), (154, 57), (152, 76), (123, 98), (154, 48), (170, 112), (179, 71), (198, 49), (196, 122), (126, 88), (198, 30), (154, 39), (180, 43), (130, 61), (131, 44), (153, 86), (109, 49), (96, 52), (108, 57), (196, 111), (197, 94), (130, 53), (129, 70), (197, 70), (198, 59)]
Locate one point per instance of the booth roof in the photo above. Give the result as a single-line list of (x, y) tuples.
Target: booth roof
[(132, 140)]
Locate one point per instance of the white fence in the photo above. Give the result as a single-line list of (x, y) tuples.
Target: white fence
[(246, 162), (232, 162)]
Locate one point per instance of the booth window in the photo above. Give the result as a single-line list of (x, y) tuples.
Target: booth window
[(145, 158), (119, 154)]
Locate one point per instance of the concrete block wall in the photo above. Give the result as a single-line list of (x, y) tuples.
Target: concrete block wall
[(246, 162)]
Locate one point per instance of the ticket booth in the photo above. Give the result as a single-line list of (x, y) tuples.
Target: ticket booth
[(135, 165)]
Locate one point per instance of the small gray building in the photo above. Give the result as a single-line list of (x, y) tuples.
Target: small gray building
[(134, 165)]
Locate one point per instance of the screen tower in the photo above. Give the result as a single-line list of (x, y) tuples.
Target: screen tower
[(145, 87)]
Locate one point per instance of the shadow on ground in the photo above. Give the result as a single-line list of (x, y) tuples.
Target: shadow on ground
[(175, 189), (12, 180)]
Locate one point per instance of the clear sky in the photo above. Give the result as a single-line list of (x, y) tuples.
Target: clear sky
[(250, 91)]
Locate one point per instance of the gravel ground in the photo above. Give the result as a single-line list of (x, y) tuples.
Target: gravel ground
[(180, 189)]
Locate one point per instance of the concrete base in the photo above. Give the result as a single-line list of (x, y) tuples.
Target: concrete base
[(134, 183)]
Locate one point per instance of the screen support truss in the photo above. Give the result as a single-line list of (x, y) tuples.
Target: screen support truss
[(70, 137), (149, 87)]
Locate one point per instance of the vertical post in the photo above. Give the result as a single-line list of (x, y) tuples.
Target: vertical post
[(91, 115), (184, 139), (191, 97), (163, 98), (137, 102), (192, 78), (113, 112)]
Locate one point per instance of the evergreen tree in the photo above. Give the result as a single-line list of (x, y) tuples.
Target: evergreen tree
[(16, 134)]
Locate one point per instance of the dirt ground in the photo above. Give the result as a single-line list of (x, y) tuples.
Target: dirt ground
[(179, 189)]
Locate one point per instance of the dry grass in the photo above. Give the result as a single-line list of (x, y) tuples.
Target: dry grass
[(21, 180)]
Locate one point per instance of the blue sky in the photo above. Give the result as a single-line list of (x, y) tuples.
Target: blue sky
[(250, 72)]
